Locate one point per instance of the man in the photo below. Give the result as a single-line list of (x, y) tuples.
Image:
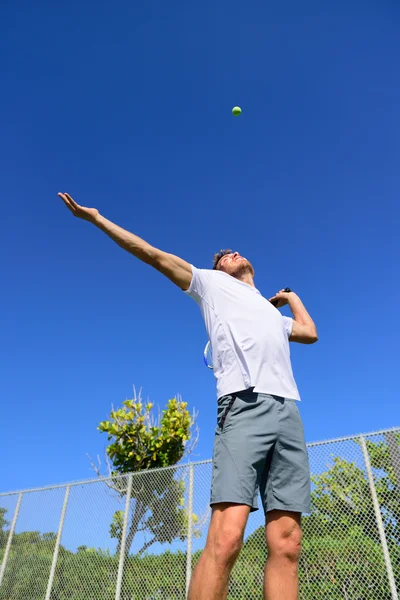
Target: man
[(259, 441)]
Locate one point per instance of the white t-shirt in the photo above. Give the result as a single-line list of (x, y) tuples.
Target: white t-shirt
[(249, 336)]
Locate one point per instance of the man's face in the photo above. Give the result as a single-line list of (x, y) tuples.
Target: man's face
[(236, 265)]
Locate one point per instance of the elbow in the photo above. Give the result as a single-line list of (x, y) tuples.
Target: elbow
[(310, 335)]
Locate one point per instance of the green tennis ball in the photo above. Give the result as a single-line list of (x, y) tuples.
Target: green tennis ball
[(236, 111)]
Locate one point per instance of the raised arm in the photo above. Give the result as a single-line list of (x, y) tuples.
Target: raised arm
[(304, 330), (173, 267)]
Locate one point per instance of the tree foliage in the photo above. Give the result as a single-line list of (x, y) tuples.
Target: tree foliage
[(140, 442), (4, 524)]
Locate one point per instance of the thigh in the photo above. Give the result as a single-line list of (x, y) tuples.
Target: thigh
[(286, 487), (244, 436)]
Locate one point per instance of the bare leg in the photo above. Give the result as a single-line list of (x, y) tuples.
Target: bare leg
[(210, 578), (283, 532)]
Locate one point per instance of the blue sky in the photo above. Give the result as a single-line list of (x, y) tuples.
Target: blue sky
[(128, 108)]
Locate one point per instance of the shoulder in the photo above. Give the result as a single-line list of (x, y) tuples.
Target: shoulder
[(202, 281)]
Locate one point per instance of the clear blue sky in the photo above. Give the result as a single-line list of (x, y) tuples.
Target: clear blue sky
[(127, 106)]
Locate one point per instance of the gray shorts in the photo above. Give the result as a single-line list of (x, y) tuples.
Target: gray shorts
[(259, 446)]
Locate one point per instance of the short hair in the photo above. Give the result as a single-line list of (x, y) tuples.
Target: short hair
[(219, 255)]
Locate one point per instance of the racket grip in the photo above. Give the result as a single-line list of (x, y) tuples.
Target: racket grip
[(275, 302)]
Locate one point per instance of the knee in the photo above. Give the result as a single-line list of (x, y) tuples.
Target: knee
[(286, 545), (226, 544)]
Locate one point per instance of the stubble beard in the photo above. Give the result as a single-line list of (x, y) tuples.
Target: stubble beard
[(243, 268)]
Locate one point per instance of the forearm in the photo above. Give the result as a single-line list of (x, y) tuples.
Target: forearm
[(299, 311), (176, 269), (126, 240)]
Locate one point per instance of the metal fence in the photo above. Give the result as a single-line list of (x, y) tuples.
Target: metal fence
[(137, 537)]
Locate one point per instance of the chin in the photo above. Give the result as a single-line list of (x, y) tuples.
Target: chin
[(243, 268)]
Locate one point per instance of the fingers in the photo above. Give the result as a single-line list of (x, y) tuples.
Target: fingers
[(72, 201), (64, 197), (276, 297), (66, 201), (69, 202), (280, 298)]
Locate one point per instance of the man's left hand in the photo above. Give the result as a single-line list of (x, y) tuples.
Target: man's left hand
[(281, 298)]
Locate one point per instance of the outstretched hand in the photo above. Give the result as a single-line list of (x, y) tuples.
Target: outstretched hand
[(88, 214), (280, 299)]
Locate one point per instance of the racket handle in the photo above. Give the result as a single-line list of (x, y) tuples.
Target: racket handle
[(275, 302)]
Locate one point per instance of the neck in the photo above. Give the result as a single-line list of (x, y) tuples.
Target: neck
[(246, 278)]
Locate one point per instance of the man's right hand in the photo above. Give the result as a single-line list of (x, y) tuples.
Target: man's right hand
[(88, 214)]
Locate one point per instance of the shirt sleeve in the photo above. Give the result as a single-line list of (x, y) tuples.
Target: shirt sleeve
[(288, 325), (199, 285)]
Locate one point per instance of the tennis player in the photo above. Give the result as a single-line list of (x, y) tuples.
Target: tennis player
[(259, 442)]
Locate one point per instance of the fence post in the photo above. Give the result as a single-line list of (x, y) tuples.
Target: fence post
[(379, 521), (10, 537), (123, 538), (190, 529), (57, 546)]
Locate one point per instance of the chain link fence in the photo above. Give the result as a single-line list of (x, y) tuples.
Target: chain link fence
[(138, 536)]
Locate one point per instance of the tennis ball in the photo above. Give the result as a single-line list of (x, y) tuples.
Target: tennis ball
[(236, 111)]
